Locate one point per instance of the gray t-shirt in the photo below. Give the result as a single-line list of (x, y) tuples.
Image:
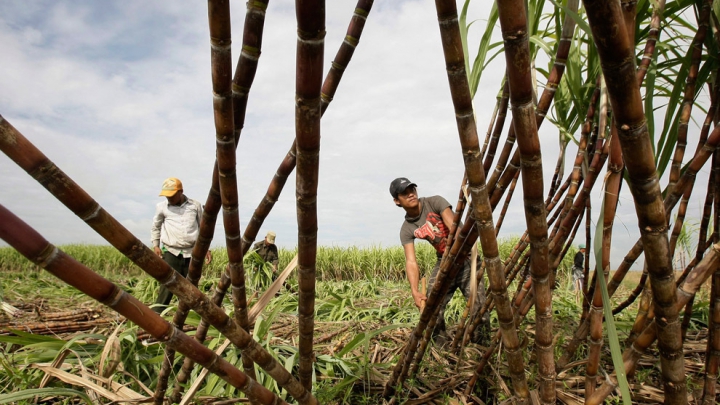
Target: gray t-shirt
[(428, 225)]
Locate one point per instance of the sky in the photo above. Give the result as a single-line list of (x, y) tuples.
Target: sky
[(118, 95)]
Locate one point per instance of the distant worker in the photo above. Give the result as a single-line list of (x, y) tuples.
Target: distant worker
[(267, 251), (578, 270), (430, 218), (175, 228)]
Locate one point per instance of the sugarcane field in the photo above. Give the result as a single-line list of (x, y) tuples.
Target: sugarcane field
[(191, 220)]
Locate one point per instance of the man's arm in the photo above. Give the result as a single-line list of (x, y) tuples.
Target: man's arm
[(158, 220), (413, 273), (275, 259), (447, 217)]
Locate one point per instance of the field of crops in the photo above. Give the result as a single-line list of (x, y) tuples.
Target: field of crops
[(364, 314)]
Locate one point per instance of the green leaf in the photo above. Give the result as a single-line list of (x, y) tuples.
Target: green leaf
[(359, 338), (537, 40), (464, 35), (479, 63), (650, 77), (15, 397), (607, 309), (579, 21)]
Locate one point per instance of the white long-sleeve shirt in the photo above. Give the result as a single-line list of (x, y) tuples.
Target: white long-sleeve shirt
[(177, 226)]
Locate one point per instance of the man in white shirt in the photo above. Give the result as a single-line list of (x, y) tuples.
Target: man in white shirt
[(176, 225)]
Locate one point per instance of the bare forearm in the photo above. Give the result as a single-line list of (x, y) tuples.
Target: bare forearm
[(413, 275)]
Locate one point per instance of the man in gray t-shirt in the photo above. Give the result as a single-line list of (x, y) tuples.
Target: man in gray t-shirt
[(430, 218)]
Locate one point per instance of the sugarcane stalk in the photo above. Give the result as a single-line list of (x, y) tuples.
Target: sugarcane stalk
[(643, 313), (653, 35), (595, 309), (493, 118), (501, 166), (716, 202), (34, 247), (588, 242), (423, 343), (512, 265), (449, 267), (687, 315), (481, 211), (586, 147), (457, 214), (30, 159), (707, 267), (517, 260), (499, 122), (54, 327), (489, 305), (703, 242), (695, 54), (242, 81), (77, 314), (618, 64), (504, 172), (543, 105), (525, 296), (712, 354), (477, 373), (221, 62), (573, 232), (288, 163), (705, 149), (462, 324), (568, 216), (595, 314), (555, 181), (345, 53), (706, 146), (562, 227), (716, 175), (581, 158), (513, 22), (503, 212), (640, 287), (707, 207), (308, 81), (680, 219)]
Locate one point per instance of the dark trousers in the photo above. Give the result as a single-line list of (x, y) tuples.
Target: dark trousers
[(181, 265), (462, 282)]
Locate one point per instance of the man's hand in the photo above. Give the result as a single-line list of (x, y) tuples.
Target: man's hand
[(208, 257), (419, 298), (157, 251)]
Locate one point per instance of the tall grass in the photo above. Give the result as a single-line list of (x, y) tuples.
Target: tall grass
[(333, 262)]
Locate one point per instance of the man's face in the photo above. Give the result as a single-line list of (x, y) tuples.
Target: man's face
[(408, 198), (176, 199)]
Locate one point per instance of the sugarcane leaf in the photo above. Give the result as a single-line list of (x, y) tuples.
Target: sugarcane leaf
[(674, 101), (359, 338), (667, 148), (464, 35), (650, 78), (537, 40), (15, 397), (581, 23), (607, 309), (480, 62)]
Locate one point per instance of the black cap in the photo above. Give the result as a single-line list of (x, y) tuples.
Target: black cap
[(399, 185)]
